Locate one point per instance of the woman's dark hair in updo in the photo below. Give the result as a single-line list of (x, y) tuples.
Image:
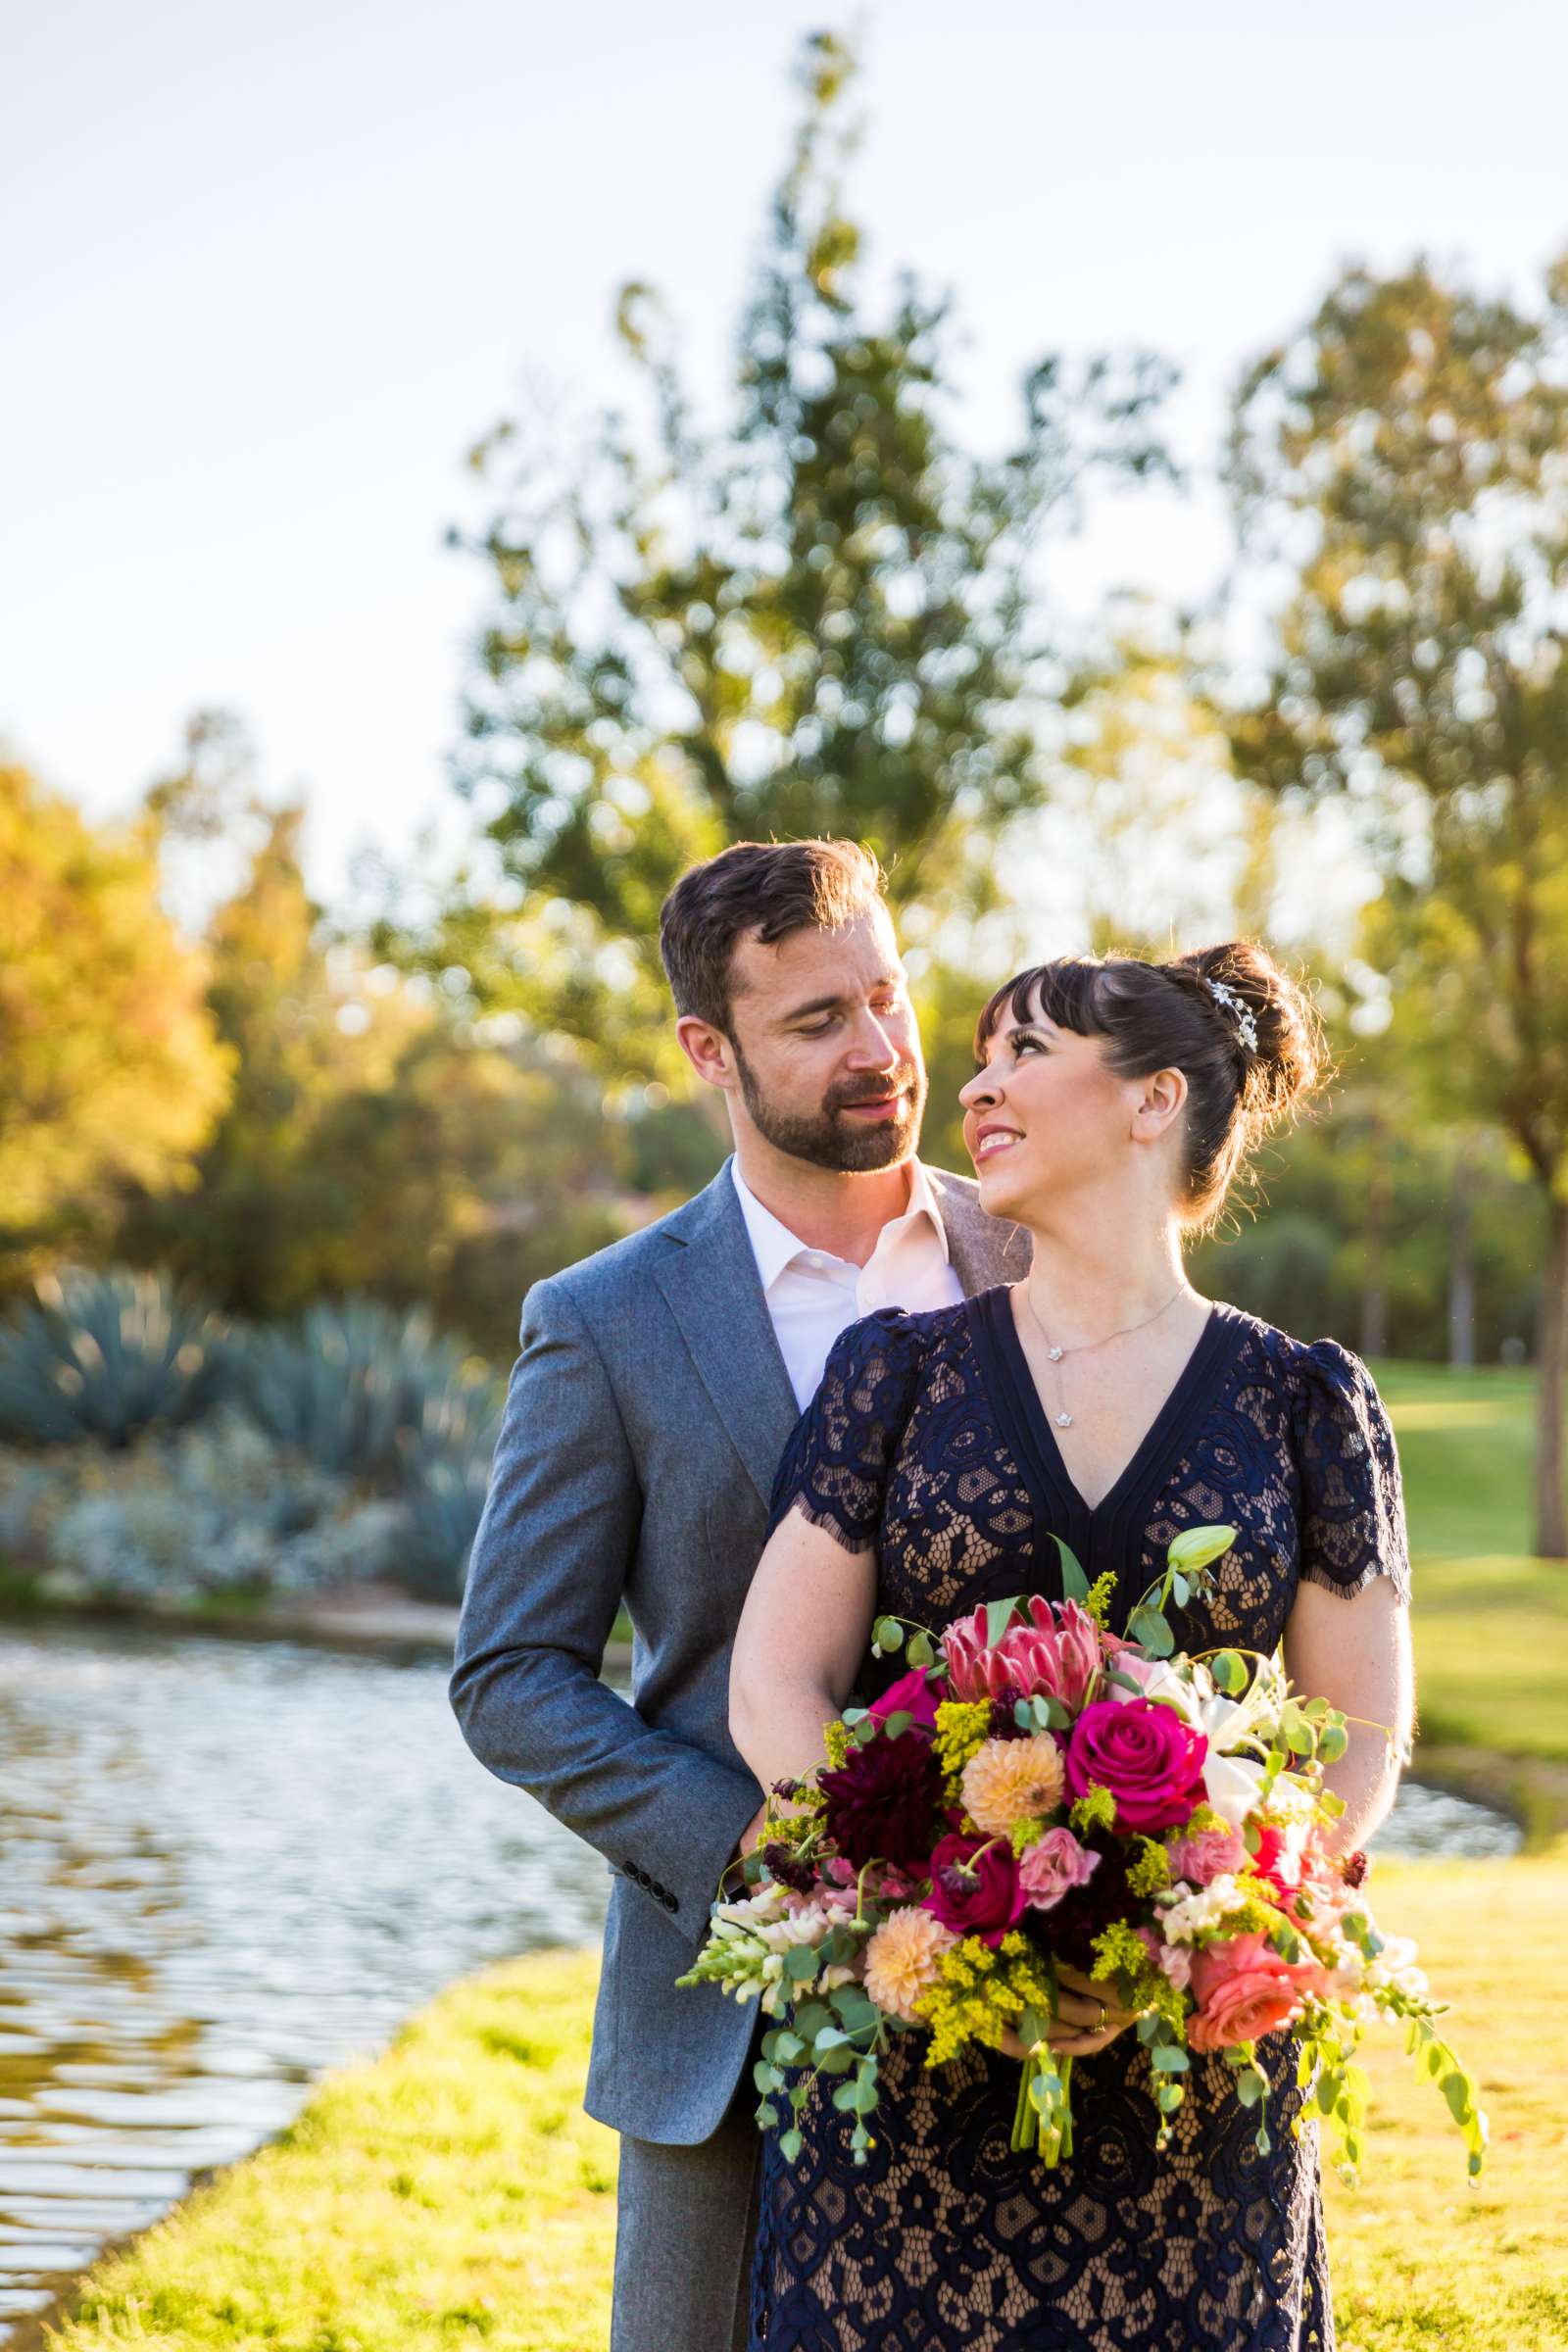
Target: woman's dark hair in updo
[(1159, 1017)]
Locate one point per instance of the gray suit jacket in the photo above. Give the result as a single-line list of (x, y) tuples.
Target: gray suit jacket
[(645, 1421)]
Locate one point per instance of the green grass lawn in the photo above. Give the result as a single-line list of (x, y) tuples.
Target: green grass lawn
[(453, 2192), (1491, 1623)]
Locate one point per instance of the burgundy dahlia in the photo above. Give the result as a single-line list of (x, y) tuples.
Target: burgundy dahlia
[(880, 1801)]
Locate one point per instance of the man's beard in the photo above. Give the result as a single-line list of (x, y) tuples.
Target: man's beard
[(831, 1138)]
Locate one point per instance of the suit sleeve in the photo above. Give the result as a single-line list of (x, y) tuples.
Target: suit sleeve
[(549, 1567)]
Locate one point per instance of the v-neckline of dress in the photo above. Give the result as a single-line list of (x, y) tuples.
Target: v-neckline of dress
[(1026, 1424)]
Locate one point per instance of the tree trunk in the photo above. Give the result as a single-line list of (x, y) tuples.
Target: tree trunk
[(1551, 1359), (1462, 1263), (1374, 1274)]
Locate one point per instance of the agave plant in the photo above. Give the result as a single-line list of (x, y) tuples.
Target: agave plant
[(366, 1391), (105, 1356), (444, 1502)]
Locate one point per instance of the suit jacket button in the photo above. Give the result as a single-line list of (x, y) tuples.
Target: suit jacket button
[(669, 1902)]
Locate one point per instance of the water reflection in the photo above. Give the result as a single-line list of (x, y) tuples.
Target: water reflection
[(225, 1867)]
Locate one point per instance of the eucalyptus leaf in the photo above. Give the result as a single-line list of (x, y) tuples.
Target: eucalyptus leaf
[(1229, 1670), (1147, 1628), (1460, 2093), (789, 2146), (920, 1651)]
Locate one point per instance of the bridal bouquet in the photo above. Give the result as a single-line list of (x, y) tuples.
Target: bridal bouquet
[(1036, 1789)]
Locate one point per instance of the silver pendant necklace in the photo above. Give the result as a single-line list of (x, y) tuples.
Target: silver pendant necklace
[(1055, 1354)]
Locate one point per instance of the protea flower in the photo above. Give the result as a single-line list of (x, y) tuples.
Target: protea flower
[(1056, 1655)]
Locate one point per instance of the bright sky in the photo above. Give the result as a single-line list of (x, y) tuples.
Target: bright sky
[(271, 272)]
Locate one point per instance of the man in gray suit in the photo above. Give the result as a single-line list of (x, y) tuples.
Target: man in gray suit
[(657, 1384)]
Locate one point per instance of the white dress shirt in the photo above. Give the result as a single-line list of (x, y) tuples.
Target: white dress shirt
[(812, 1296)]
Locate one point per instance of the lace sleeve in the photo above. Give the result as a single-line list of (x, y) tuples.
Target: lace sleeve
[(835, 1466), (1353, 1507)]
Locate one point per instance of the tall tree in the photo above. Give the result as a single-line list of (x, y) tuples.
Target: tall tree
[(1405, 458), (111, 1068), (301, 1034), (819, 618)]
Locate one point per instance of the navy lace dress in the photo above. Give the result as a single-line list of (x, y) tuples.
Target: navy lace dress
[(927, 1440)]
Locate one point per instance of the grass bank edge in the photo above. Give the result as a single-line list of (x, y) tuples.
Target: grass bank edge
[(452, 2190)]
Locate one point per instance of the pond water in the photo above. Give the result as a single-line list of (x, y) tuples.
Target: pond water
[(225, 1867)]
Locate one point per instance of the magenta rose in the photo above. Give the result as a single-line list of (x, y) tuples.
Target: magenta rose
[(974, 1888), (910, 1694), (1150, 1761)]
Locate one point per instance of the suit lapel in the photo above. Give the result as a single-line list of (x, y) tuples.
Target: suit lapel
[(984, 1251), (709, 1279)]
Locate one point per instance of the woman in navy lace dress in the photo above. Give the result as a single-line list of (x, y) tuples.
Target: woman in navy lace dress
[(1102, 1401)]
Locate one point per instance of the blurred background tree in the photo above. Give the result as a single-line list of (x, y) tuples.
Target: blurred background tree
[(112, 1068), (819, 619), (1403, 462)]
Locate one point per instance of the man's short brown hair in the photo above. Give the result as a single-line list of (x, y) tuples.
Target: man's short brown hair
[(767, 887)]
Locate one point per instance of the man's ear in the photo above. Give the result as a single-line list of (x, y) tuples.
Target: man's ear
[(1160, 1100), (708, 1051)]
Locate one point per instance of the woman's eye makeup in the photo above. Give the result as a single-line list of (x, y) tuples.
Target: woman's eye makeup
[(1014, 1041)]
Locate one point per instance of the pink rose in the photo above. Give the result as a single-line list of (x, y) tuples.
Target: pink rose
[(1206, 1854), (1243, 1988), (1053, 1866), (974, 1888), (1150, 1761), (1056, 1656), (910, 1694)]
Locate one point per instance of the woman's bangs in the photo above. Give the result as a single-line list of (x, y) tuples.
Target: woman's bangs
[(1062, 992)]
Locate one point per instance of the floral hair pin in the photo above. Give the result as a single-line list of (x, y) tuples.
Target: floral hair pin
[(1232, 1003)]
